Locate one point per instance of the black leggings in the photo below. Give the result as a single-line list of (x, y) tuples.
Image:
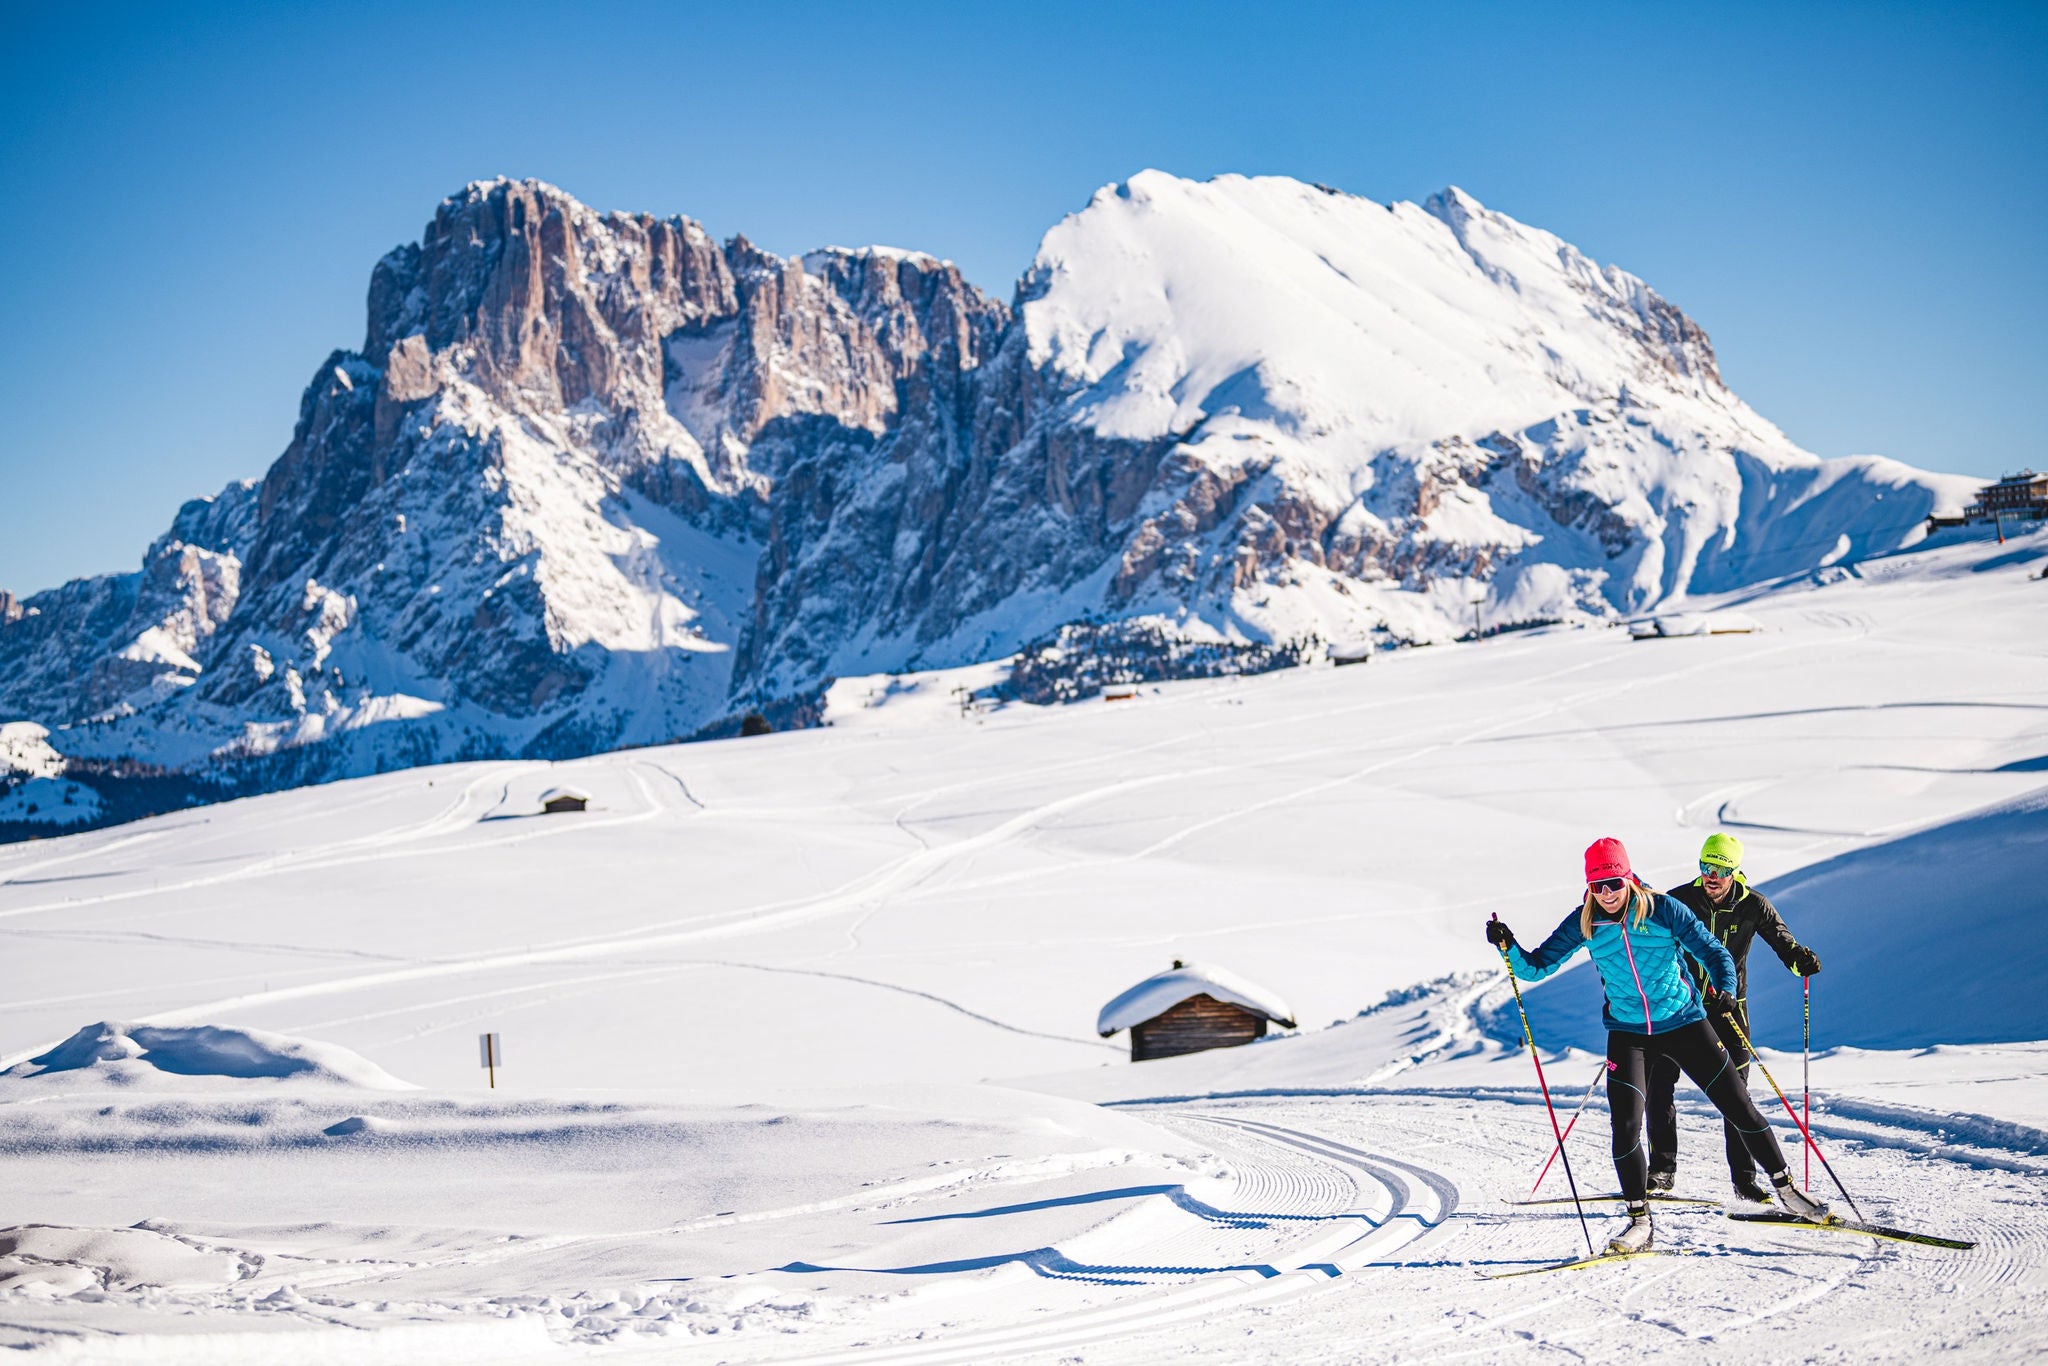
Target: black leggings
[(1699, 1054), (1663, 1115)]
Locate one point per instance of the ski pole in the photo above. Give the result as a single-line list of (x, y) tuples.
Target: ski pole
[(1803, 1131), (1569, 1126), (1805, 1062), (1544, 1087)]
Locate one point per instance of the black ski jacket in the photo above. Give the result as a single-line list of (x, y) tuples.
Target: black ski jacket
[(1746, 914)]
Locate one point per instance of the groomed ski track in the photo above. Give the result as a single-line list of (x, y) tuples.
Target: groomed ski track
[(1356, 1208), (1391, 1209)]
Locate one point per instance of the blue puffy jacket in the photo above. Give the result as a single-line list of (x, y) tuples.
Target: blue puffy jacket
[(1641, 966)]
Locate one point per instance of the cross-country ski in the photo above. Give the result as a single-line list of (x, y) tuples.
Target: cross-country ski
[(1581, 1263), (1897, 1235), (1655, 1198)]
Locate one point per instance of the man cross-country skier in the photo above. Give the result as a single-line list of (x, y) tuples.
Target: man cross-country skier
[(1639, 941), (1734, 913)]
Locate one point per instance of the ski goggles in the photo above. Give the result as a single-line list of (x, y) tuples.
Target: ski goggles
[(1715, 870), (1609, 884)]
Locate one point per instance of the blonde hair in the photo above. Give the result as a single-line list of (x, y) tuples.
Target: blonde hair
[(1638, 902)]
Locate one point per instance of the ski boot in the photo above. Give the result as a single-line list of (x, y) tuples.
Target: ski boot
[(1797, 1202), (1663, 1181), (1749, 1186), (1636, 1236)]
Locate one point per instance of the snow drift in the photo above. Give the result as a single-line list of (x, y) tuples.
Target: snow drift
[(119, 1055)]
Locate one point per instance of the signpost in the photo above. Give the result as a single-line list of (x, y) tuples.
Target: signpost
[(491, 1054)]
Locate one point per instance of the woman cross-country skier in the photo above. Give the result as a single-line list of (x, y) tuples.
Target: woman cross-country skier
[(1638, 939), (1734, 913)]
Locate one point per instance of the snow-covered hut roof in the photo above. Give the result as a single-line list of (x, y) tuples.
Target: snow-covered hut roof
[(1163, 991), (554, 792)]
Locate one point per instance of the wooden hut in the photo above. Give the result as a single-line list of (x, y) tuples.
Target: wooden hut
[(1189, 1008), (557, 799)]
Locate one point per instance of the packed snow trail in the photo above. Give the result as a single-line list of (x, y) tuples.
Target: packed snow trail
[(1283, 1175), (1760, 1294)]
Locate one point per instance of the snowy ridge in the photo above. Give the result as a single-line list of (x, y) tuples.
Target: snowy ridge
[(1425, 401)]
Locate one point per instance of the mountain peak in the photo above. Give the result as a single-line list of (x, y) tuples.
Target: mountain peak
[(598, 479)]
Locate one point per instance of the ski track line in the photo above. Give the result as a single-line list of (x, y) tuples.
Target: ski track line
[(1375, 746), (445, 820), (1826, 1286), (206, 835), (139, 988), (1408, 756), (1314, 1197), (1336, 1255), (1846, 1260), (498, 1250), (371, 851), (1404, 756), (1266, 761), (906, 871), (919, 994), (876, 882), (107, 848), (675, 967), (677, 778), (552, 984), (147, 938)]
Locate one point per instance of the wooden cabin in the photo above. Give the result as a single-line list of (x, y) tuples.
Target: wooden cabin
[(1687, 624), (1191, 1008), (557, 799), (1199, 1023)]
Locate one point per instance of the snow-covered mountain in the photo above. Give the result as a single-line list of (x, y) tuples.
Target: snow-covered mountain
[(596, 479)]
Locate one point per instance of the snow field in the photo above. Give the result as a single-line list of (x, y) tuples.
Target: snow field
[(747, 997)]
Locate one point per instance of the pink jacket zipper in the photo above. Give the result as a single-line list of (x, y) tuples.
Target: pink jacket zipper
[(1648, 1028)]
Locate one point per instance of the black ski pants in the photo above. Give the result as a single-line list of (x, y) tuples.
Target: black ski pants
[(1663, 1108), (1699, 1054)]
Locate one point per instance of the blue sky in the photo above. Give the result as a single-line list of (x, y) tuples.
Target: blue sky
[(1849, 197)]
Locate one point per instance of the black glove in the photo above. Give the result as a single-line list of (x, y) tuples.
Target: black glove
[(1719, 1002), (1499, 935), (1805, 961)]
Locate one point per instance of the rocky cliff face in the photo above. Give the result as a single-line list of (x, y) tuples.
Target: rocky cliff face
[(598, 479), (524, 518), (112, 644)]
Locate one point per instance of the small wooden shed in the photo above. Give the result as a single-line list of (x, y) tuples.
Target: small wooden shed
[(1693, 624), (1189, 1008), (563, 799), (1342, 656)]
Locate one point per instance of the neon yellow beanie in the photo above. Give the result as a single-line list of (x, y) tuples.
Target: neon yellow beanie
[(1723, 849)]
